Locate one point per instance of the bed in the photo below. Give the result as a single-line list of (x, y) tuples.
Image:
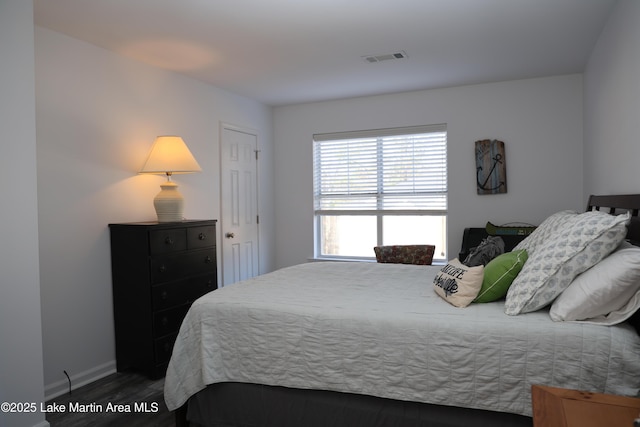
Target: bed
[(366, 344)]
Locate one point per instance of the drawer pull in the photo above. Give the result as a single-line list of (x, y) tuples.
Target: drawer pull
[(168, 241), (163, 295), (202, 236), (165, 321), (208, 260), (162, 268)]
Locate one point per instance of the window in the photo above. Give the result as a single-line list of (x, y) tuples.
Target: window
[(380, 187)]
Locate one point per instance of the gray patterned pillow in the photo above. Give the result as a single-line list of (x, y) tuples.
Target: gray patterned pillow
[(580, 242), (549, 227)]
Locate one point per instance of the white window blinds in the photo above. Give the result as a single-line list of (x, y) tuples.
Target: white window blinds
[(387, 169)]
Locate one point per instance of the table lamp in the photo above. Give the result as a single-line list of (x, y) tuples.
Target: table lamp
[(169, 155)]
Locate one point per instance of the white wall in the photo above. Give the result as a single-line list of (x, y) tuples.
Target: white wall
[(21, 378), (540, 121), (612, 106), (97, 114)]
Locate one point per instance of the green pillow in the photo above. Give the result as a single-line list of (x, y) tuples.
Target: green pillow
[(498, 275)]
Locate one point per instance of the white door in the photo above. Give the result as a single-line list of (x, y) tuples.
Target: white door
[(239, 204)]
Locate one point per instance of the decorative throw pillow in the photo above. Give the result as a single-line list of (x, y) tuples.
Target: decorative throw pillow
[(499, 274), (458, 284), (405, 254), (608, 293), (582, 242), (549, 227)]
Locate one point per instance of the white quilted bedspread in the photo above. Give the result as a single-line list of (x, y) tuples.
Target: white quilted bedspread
[(380, 329)]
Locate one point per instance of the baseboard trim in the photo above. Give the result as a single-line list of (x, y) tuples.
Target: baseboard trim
[(61, 387)]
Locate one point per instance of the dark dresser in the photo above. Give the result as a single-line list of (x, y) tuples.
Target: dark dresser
[(158, 270)]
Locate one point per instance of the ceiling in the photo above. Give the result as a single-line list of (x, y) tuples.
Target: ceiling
[(283, 52)]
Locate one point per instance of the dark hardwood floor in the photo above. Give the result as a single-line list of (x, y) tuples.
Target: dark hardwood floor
[(107, 402)]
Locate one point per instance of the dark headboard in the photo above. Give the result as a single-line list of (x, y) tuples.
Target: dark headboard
[(617, 205)]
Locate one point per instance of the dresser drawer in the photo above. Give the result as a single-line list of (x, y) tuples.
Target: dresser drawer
[(206, 283), (203, 261), (168, 321), (167, 295), (201, 237), (173, 267), (167, 240), (162, 348)]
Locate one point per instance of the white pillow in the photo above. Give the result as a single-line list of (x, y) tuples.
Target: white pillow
[(458, 284), (581, 242), (608, 293)]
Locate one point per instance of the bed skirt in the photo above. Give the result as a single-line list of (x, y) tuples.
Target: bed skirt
[(254, 405)]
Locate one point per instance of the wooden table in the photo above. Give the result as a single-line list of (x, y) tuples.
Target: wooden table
[(559, 407)]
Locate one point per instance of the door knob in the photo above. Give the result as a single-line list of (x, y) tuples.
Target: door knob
[(229, 235)]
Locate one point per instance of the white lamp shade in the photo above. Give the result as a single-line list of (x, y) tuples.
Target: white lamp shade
[(170, 155)]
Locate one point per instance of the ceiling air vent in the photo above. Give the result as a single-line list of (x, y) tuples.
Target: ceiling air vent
[(389, 56)]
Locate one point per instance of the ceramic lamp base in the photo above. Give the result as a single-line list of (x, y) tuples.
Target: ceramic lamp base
[(169, 203)]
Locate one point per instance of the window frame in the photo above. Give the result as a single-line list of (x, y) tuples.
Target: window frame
[(378, 213)]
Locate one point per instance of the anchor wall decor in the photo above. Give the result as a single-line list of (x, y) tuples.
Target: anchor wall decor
[(491, 167)]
